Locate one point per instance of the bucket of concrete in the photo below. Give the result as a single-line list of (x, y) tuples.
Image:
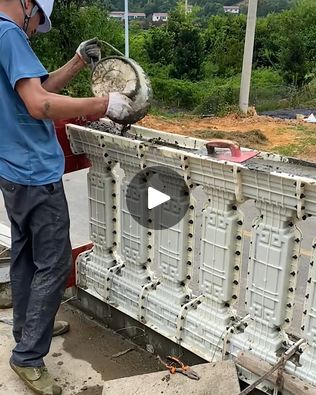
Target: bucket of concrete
[(5, 286), (124, 75)]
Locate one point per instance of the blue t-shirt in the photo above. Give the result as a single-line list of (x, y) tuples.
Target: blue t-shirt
[(29, 150)]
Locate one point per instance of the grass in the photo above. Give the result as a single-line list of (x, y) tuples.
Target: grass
[(305, 139)]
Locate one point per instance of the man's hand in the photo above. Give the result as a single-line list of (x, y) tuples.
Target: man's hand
[(89, 51), (119, 107)]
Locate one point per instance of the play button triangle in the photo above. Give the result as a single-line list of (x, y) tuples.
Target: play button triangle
[(155, 198)]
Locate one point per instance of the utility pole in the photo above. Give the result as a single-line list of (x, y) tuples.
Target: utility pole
[(248, 56), (126, 29)]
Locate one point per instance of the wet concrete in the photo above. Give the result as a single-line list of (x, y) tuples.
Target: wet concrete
[(98, 345), (81, 360)]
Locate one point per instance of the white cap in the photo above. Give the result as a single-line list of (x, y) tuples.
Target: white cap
[(47, 7)]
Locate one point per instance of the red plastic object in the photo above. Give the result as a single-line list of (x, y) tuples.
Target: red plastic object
[(235, 155), (75, 252), (72, 162)]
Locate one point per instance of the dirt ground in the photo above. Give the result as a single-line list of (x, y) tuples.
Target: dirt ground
[(264, 133)]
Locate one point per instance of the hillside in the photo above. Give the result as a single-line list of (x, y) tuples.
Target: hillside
[(209, 7)]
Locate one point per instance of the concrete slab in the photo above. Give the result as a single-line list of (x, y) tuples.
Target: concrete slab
[(215, 379), (80, 360)]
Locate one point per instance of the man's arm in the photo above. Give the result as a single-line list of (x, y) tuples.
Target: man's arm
[(58, 79), (42, 104)]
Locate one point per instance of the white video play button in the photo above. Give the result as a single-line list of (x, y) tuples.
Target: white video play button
[(155, 198)]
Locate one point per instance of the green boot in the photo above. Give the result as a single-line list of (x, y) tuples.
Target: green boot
[(60, 327), (38, 379)]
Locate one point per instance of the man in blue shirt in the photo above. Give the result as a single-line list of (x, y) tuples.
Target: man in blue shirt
[(31, 168)]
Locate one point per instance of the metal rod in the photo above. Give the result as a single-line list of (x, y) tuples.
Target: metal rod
[(281, 362), (126, 29)]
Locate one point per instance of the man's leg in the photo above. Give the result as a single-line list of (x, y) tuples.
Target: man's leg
[(22, 267), (48, 224)]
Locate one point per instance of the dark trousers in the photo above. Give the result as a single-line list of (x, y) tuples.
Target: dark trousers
[(40, 264)]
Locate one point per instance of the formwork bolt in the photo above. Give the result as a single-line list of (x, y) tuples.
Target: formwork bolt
[(149, 246), (293, 273), (185, 157), (289, 305), (307, 296), (302, 196), (114, 219), (284, 343), (142, 317), (114, 232), (191, 221), (107, 279), (237, 252), (305, 312), (181, 328), (182, 317), (113, 194), (239, 222), (188, 277), (287, 320), (113, 182), (309, 280), (142, 307), (148, 260), (278, 329), (226, 304), (191, 207), (297, 240), (294, 257), (291, 224), (189, 263), (190, 235), (114, 243), (291, 289), (143, 297), (304, 217), (187, 296), (312, 263), (238, 237), (234, 207), (144, 267), (106, 155), (108, 168), (235, 282), (144, 166), (182, 283), (234, 296), (149, 233), (114, 207), (111, 251), (190, 249), (303, 327), (150, 220), (236, 267), (115, 261), (186, 166), (314, 246), (109, 162)]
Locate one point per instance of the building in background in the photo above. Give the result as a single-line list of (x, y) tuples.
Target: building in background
[(159, 17), (131, 15), (232, 9)]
